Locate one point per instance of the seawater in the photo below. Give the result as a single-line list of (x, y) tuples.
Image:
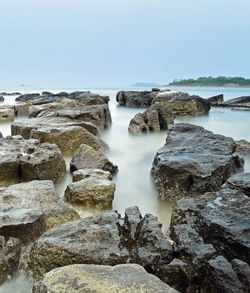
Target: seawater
[(134, 155)]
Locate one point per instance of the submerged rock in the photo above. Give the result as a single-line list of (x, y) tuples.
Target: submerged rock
[(91, 189), (193, 161), (10, 250), (157, 117), (125, 278), (28, 209), (104, 239), (25, 160), (88, 157)]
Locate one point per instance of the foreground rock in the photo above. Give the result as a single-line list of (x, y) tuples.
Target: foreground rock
[(156, 118), (93, 190), (29, 209), (127, 278), (240, 181), (193, 161), (211, 234), (104, 239), (10, 250), (25, 160), (87, 157)]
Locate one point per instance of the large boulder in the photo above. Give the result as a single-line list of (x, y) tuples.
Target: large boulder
[(68, 138), (126, 278), (88, 157), (28, 209), (94, 190), (156, 118), (10, 250), (103, 239), (193, 161), (211, 235), (25, 160)]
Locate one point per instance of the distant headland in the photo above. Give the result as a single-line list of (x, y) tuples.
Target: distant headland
[(213, 81)]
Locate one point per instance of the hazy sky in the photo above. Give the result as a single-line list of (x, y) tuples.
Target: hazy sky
[(119, 42)]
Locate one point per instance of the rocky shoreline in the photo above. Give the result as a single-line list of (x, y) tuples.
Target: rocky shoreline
[(207, 247)]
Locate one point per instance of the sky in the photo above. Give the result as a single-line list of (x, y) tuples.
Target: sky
[(119, 42)]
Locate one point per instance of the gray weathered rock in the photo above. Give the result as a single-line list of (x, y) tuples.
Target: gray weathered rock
[(240, 181), (28, 209), (104, 239), (193, 161), (157, 117), (25, 160), (215, 100), (125, 278), (87, 157)]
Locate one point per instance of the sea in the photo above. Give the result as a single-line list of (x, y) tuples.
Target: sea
[(134, 154)]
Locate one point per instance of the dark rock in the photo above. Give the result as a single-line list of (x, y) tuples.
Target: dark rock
[(88, 157), (1, 99), (27, 97), (25, 160), (237, 103), (240, 181), (10, 250), (27, 210), (135, 99), (193, 161), (129, 278), (216, 99), (242, 270), (10, 94), (46, 93), (157, 117), (104, 239)]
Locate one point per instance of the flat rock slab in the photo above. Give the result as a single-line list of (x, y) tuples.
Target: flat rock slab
[(88, 158), (103, 239), (94, 191), (193, 161), (126, 278), (29, 209), (25, 160)]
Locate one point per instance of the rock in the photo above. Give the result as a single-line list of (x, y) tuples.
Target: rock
[(7, 113), (68, 138), (103, 239), (10, 94), (240, 181), (27, 97), (215, 100), (193, 161), (157, 117), (46, 93), (86, 173), (135, 99), (10, 250), (25, 160), (242, 270), (182, 104), (22, 109), (243, 147), (88, 157), (88, 98), (28, 209), (1, 99), (125, 278), (92, 191)]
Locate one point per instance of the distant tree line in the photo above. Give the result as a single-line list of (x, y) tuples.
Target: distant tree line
[(212, 81)]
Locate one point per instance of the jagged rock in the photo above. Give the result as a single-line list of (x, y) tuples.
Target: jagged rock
[(7, 113), (157, 117), (243, 147), (135, 99), (29, 209), (215, 100), (25, 160), (87, 157), (104, 239), (92, 191), (1, 99), (27, 97), (240, 181), (68, 138), (86, 173), (193, 161), (125, 278), (182, 104), (10, 250)]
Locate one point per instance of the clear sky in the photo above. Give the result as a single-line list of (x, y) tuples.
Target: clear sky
[(119, 42)]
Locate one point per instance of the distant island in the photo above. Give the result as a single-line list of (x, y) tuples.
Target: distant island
[(145, 84), (213, 81)]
